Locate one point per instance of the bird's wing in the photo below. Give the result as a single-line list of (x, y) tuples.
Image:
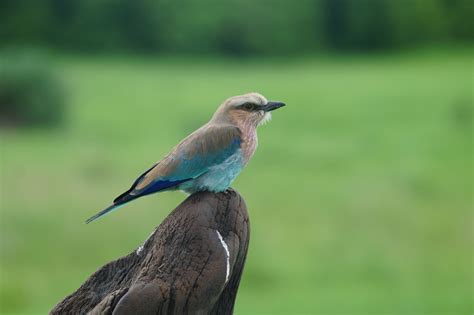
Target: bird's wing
[(192, 157)]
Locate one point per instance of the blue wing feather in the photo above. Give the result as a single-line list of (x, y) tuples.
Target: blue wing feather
[(200, 162), (161, 185), (193, 159), (187, 169)]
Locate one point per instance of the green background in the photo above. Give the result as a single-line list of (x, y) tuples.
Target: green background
[(360, 193)]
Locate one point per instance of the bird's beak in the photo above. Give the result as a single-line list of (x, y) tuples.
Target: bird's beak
[(272, 106)]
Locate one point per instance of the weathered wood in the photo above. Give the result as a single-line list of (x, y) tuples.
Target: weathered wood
[(180, 269)]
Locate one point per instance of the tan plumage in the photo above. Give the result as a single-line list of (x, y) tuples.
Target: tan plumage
[(207, 139)]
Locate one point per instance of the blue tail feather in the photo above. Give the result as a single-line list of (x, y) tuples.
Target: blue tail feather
[(105, 211), (126, 197)]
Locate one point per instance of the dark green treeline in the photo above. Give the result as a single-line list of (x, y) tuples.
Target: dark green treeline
[(234, 27)]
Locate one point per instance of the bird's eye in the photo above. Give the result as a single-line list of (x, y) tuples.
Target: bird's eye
[(248, 106)]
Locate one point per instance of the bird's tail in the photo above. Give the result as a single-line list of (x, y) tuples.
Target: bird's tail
[(110, 208)]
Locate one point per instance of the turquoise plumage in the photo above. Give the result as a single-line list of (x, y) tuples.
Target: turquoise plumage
[(208, 159)]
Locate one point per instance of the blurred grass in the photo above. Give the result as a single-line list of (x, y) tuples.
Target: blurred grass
[(360, 193)]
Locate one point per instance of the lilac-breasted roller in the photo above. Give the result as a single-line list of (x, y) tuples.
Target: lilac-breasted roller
[(211, 157)]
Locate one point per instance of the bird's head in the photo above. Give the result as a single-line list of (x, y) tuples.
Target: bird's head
[(250, 109)]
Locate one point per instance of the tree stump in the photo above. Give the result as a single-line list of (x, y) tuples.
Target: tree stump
[(192, 263)]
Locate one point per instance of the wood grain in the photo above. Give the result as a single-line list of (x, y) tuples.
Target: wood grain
[(180, 269)]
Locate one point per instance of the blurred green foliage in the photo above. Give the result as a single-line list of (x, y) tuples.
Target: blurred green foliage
[(360, 193), (30, 93), (235, 27)]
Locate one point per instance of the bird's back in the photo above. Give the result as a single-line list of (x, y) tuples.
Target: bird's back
[(199, 153)]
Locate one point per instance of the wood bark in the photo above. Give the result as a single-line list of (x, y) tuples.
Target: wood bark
[(191, 264)]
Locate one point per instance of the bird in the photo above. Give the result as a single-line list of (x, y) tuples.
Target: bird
[(210, 158)]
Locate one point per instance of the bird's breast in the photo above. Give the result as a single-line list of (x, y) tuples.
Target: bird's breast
[(249, 143)]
